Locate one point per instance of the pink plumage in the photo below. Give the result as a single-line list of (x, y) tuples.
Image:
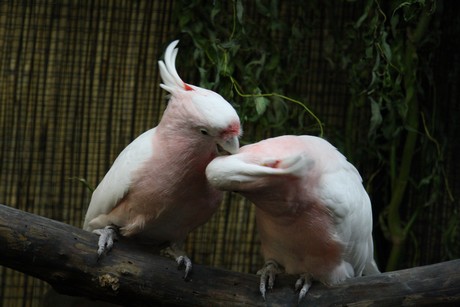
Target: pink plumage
[(313, 214), (156, 191)]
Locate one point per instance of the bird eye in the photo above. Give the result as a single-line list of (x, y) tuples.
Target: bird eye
[(204, 131)]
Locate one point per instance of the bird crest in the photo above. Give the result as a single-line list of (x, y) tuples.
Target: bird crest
[(171, 80)]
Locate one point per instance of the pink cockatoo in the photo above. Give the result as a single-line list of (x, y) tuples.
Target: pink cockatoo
[(313, 214), (156, 191)]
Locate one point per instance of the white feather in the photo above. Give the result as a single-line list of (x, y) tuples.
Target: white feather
[(344, 195), (171, 80), (117, 181)]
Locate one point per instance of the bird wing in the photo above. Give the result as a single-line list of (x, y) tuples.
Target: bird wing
[(117, 181), (344, 195)]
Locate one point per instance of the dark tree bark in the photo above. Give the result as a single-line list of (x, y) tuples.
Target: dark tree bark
[(65, 257)]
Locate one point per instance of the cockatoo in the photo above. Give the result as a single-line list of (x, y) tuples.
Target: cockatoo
[(313, 214), (156, 191)]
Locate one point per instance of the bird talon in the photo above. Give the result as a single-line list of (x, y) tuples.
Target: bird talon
[(299, 283), (184, 261), (262, 285), (268, 273), (188, 267), (262, 291), (179, 256), (303, 284), (107, 235)]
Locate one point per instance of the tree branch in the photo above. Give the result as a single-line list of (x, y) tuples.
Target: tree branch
[(65, 257)]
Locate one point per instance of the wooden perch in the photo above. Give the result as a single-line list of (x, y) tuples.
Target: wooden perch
[(65, 257)]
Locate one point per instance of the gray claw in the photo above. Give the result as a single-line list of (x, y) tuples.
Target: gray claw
[(175, 251), (186, 262), (106, 237), (268, 272), (303, 284)]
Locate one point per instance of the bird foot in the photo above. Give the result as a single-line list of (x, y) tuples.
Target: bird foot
[(302, 285), (106, 237), (180, 256), (268, 273)]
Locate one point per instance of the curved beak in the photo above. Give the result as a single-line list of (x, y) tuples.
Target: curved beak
[(230, 145)]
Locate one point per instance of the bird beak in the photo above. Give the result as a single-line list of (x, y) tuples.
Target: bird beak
[(230, 145)]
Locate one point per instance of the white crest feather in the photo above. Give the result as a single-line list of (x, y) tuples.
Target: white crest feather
[(171, 80)]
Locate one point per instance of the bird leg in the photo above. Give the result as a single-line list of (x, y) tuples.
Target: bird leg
[(106, 237), (303, 284), (268, 272), (175, 251)]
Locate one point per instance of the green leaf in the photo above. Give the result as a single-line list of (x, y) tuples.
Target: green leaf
[(376, 117), (239, 11), (214, 11), (361, 19), (261, 8), (274, 62), (369, 52), (261, 105), (386, 47)]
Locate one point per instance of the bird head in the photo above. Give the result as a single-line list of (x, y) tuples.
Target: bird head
[(246, 171), (204, 114)]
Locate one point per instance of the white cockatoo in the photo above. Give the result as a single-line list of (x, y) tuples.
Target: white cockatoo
[(313, 214), (156, 191)]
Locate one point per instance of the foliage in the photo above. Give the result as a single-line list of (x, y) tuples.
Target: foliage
[(247, 62), (388, 53)]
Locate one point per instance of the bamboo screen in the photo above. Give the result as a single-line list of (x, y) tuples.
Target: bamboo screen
[(78, 82)]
